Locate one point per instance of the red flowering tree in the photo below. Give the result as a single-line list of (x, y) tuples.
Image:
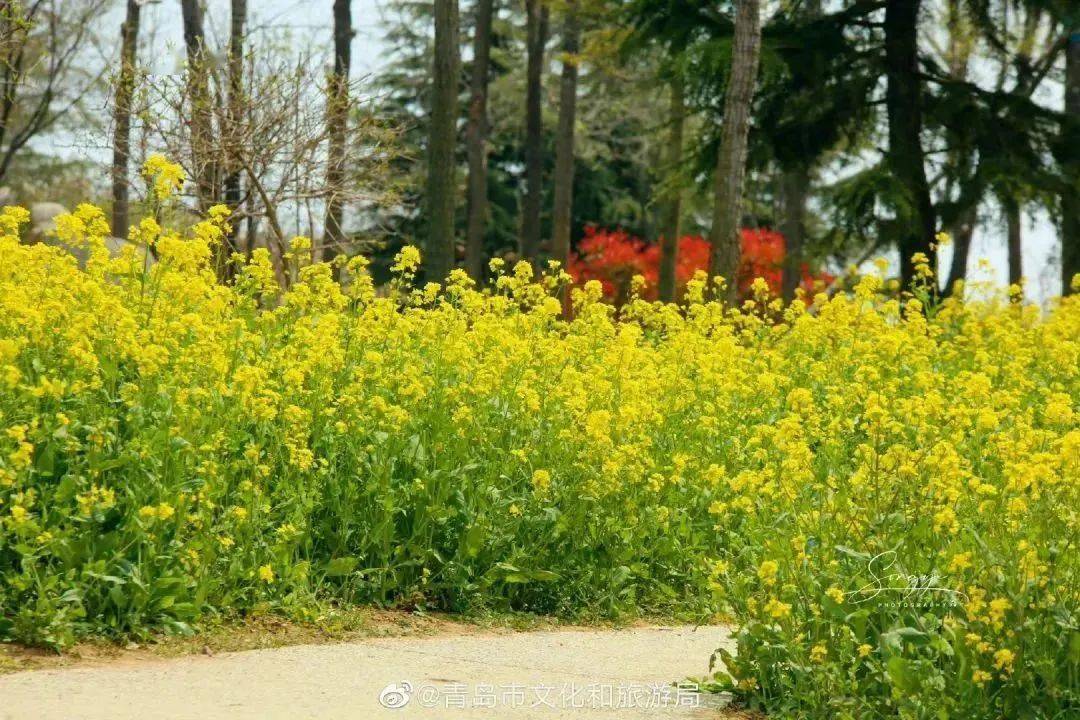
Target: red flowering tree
[(614, 257)]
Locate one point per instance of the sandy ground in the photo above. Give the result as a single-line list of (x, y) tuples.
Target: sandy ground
[(550, 674)]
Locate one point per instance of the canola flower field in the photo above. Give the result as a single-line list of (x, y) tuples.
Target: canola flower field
[(880, 494)]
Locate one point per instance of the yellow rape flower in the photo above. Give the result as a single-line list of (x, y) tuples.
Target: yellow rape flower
[(777, 609), (165, 177), (1003, 660), (767, 572)]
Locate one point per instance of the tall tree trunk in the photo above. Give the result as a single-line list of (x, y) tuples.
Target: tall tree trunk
[(1070, 201), (125, 89), (476, 133), (903, 101), (13, 31), (233, 134), (795, 186), (962, 234), (337, 120), (564, 138), (962, 228), (731, 164), (795, 190), (536, 31), (672, 209), (203, 150), (440, 180), (1015, 239)]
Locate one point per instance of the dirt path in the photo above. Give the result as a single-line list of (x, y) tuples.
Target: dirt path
[(551, 674)]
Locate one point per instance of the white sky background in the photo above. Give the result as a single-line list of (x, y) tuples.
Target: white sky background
[(308, 23)]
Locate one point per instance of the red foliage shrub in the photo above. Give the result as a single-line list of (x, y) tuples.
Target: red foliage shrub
[(614, 257)]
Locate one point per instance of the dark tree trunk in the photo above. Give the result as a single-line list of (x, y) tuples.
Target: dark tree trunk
[(125, 89), (251, 232), (795, 190), (564, 138), (10, 69), (1070, 201), (903, 100), (536, 31), (203, 151), (337, 120), (731, 163), (960, 158), (1015, 239), (672, 211), (440, 181), (233, 134), (795, 186), (962, 234), (476, 142)]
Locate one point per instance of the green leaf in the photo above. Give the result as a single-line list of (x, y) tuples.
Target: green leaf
[(65, 489), (894, 639), (858, 555), (184, 610), (107, 578), (339, 567), (108, 464), (901, 675), (473, 540), (515, 578), (543, 575), (46, 459)]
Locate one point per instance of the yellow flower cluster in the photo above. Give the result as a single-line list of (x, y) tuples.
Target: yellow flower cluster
[(164, 176), (221, 445)]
